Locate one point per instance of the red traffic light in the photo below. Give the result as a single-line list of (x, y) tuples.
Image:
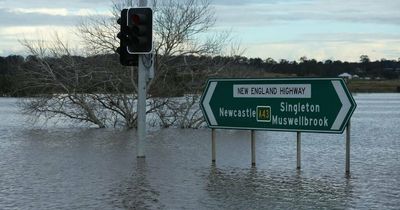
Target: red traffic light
[(140, 36), (135, 19)]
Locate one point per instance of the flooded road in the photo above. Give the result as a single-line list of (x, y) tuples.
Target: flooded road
[(69, 167)]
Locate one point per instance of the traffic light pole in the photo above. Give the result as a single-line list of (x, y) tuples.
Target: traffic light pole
[(141, 108), (141, 105)]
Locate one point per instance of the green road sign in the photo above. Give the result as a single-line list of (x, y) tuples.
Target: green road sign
[(284, 104)]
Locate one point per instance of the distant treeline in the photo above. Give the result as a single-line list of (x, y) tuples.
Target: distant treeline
[(12, 80), (385, 69)]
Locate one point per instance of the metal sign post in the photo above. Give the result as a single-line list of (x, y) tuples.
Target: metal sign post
[(298, 150), (348, 149), (322, 105), (213, 153), (141, 104), (253, 148), (141, 108)]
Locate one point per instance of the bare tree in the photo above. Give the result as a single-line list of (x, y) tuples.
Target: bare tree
[(53, 69), (104, 92), (94, 89)]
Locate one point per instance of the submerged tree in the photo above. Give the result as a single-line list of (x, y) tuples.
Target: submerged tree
[(103, 92)]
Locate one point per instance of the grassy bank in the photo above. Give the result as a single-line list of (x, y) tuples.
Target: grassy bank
[(374, 86)]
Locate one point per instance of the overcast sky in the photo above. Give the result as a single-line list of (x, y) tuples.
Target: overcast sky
[(280, 29)]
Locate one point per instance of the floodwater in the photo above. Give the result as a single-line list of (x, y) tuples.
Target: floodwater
[(69, 167)]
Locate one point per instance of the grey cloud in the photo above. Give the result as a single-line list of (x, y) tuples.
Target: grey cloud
[(238, 2), (347, 37), (254, 15), (55, 3), (12, 18), (249, 2)]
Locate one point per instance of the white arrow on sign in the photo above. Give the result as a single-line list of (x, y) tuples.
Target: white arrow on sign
[(206, 103), (346, 105)]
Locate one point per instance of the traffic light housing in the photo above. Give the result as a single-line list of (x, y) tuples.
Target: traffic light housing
[(140, 30), (125, 57)]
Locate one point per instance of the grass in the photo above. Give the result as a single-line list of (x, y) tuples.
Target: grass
[(374, 86)]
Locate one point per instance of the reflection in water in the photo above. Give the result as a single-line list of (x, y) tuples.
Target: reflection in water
[(258, 189), (136, 192)]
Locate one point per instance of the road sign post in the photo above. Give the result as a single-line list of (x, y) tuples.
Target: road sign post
[(322, 105), (213, 154), (298, 165), (348, 149), (253, 148)]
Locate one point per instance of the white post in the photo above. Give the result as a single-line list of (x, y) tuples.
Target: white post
[(348, 148), (141, 104), (298, 150), (253, 148)]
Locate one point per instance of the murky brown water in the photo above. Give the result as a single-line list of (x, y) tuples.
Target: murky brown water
[(65, 167)]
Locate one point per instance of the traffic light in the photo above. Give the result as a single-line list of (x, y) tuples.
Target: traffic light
[(140, 30), (125, 58)]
